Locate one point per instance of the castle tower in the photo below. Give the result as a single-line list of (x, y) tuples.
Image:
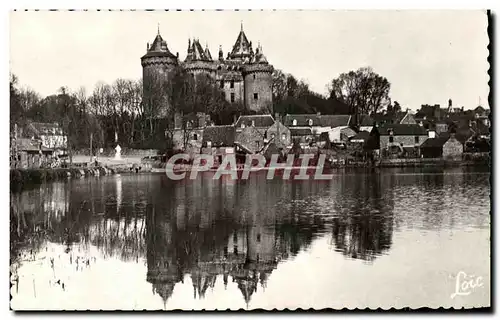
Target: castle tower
[(157, 66), (198, 61), (258, 83)]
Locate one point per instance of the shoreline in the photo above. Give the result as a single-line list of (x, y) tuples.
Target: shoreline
[(21, 179)]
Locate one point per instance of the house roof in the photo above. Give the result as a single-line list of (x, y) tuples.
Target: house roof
[(362, 135), (402, 130), (38, 129), (317, 120), (219, 135), (437, 142), (260, 121)]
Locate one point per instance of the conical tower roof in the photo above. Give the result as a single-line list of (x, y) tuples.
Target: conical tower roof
[(242, 48), (159, 48)]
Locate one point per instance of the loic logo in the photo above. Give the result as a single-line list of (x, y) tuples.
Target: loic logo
[(465, 284)]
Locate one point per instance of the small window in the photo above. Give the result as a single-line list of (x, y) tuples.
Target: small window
[(253, 123), (283, 136), (232, 97), (258, 237), (417, 139), (242, 126), (254, 77), (256, 96), (232, 84), (195, 136), (222, 84), (310, 122), (391, 139), (294, 122), (272, 135)]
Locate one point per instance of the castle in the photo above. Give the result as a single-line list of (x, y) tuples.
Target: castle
[(244, 76)]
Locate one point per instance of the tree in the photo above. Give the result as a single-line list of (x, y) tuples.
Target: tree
[(363, 90)]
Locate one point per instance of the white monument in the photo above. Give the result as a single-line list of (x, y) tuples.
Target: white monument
[(118, 154)]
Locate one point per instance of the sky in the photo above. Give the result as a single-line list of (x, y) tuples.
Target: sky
[(427, 56)]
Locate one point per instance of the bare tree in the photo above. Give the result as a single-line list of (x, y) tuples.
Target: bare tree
[(363, 90)]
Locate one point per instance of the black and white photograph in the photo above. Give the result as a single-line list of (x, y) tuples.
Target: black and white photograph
[(249, 160)]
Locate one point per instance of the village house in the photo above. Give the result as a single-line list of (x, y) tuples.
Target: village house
[(308, 127), (187, 134), (51, 136), (218, 141), (279, 134), (31, 154), (445, 146), (251, 131), (402, 138)]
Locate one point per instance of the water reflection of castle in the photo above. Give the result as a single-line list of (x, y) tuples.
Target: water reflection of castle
[(215, 230), (245, 254)]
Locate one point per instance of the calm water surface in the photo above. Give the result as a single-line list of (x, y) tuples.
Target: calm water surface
[(364, 239)]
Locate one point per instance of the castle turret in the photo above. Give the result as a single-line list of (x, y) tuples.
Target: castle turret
[(221, 54), (258, 83), (157, 65), (199, 61), (207, 53)]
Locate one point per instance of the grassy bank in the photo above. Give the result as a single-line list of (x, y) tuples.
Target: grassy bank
[(24, 178)]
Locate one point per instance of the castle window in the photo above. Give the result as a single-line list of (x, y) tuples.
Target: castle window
[(222, 84), (232, 97), (256, 96), (294, 122), (258, 237), (232, 84), (254, 77)]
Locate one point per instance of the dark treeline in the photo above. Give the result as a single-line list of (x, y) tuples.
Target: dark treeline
[(119, 113)]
